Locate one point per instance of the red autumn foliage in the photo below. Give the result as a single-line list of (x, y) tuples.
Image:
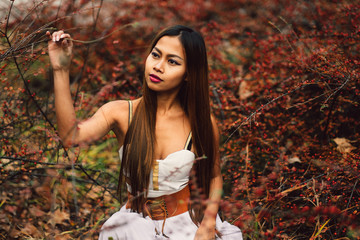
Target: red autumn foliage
[(284, 87)]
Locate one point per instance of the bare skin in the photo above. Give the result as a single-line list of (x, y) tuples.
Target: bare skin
[(167, 62)]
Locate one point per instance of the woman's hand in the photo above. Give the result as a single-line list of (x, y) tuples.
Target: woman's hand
[(206, 231), (60, 50)]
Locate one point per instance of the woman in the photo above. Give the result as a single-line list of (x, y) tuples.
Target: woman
[(163, 135)]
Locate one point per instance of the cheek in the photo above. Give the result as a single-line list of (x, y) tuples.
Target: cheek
[(147, 63), (182, 74), (179, 77)]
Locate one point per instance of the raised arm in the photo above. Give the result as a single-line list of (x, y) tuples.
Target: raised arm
[(70, 130)]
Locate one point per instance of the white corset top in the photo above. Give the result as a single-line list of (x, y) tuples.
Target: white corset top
[(171, 174)]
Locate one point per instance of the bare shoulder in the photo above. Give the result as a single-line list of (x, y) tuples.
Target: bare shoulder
[(117, 112), (115, 109), (118, 105)]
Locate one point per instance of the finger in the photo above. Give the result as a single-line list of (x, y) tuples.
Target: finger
[(56, 36), (64, 42), (67, 39), (48, 34), (65, 36)]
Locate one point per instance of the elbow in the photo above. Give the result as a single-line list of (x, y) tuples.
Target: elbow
[(68, 137), (65, 144), (69, 144), (67, 141)]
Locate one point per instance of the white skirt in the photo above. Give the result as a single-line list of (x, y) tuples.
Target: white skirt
[(125, 224)]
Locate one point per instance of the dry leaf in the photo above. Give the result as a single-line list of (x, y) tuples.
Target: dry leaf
[(35, 211), (26, 193), (64, 187), (58, 217), (244, 90), (44, 191), (14, 233), (4, 218), (63, 237), (343, 145), (30, 230), (294, 160), (95, 192), (11, 209)]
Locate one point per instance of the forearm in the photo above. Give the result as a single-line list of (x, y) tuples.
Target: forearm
[(64, 108), (216, 184), (216, 189), (208, 224)]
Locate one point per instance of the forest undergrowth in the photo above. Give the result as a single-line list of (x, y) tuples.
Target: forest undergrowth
[(285, 89)]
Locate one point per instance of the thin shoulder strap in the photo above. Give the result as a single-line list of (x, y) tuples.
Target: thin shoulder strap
[(188, 142), (130, 111)]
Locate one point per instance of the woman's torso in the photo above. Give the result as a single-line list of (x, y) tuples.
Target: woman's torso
[(173, 153)]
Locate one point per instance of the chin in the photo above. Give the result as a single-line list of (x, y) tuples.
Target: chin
[(152, 86)]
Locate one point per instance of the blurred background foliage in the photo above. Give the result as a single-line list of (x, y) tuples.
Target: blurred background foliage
[(284, 88)]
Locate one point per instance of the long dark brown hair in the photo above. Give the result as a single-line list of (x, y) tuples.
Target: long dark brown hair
[(138, 159)]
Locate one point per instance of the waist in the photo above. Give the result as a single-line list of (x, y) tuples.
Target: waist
[(166, 206)]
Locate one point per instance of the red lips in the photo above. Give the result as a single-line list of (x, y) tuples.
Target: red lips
[(154, 78)]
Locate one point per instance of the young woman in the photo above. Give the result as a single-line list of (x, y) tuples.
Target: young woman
[(165, 135)]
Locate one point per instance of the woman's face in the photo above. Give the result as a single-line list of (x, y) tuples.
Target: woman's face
[(165, 66)]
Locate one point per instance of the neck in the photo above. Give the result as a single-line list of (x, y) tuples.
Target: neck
[(167, 102)]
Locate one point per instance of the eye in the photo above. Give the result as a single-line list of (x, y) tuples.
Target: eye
[(155, 54), (173, 62)]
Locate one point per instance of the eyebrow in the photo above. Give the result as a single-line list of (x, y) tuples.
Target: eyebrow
[(169, 55)]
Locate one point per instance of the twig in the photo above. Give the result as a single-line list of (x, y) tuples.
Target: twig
[(253, 114), (86, 56), (219, 103), (96, 182), (310, 100), (339, 88), (352, 192), (28, 89), (336, 93), (277, 28), (27, 15), (8, 17), (106, 36)]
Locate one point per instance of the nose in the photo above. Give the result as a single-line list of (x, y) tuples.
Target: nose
[(159, 66)]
